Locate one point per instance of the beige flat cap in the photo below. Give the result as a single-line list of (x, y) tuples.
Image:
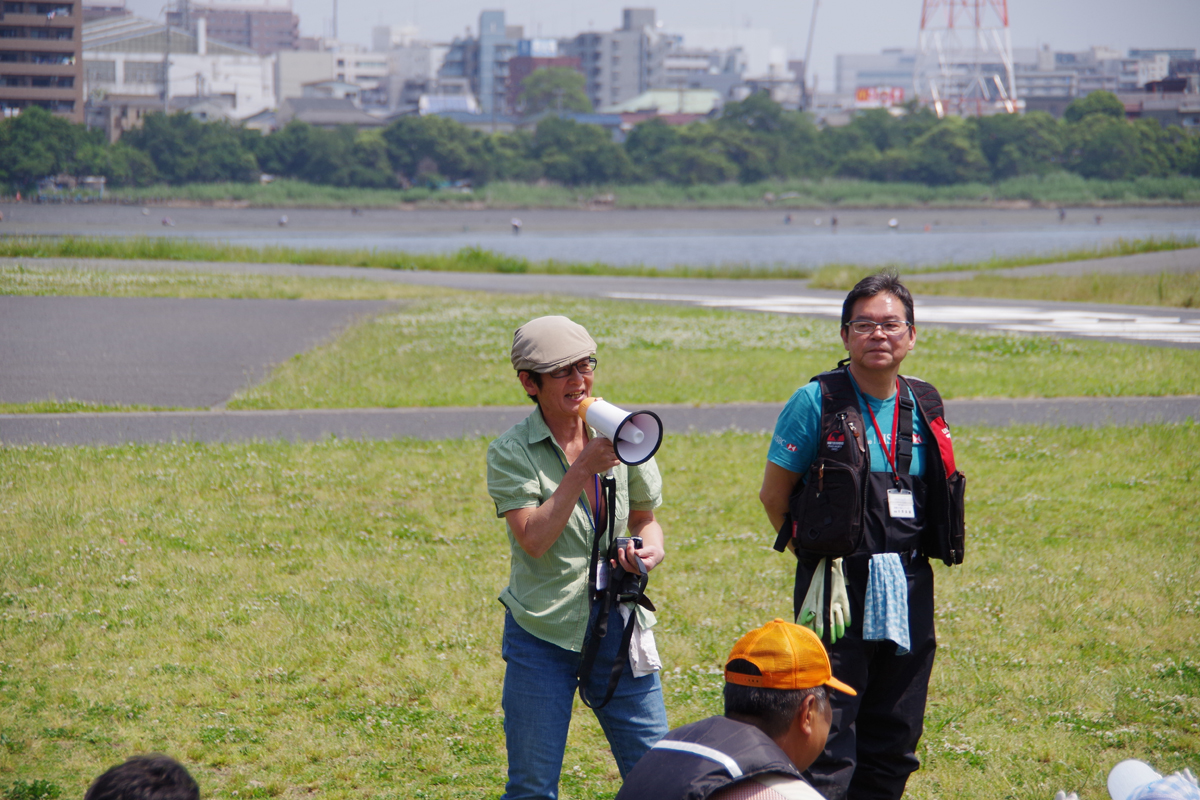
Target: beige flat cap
[(547, 343)]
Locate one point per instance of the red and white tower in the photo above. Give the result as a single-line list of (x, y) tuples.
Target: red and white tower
[(964, 59)]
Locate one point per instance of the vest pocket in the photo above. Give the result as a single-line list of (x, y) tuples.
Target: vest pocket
[(827, 514), (945, 536), (957, 485)]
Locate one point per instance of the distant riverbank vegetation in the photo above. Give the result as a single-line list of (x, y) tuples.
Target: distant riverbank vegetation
[(474, 259), (755, 152)]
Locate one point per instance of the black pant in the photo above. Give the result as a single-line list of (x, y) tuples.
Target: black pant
[(873, 740)]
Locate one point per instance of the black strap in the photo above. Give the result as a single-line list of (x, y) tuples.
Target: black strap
[(608, 483), (618, 666), (837, 391), (826, 612), (904, 433), (587, 659), (927, 397)]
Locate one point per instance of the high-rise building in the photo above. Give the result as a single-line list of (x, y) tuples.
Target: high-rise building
[(483, 60), (41, 57), (497, 44), (620, 64)]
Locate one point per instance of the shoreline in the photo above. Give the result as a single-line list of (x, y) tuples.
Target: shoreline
[(602, 207), (304, 226)]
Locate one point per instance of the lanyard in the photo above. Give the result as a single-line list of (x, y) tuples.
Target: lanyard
[(891, 456), (593, 518)]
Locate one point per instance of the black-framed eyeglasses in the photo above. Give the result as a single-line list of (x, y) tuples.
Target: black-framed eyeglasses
[(585, 366), (866, 327)]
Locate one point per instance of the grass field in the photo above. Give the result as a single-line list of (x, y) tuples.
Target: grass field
[(446, 348), (35, 281), (53, 406), (456, 349), (1177, 290), (320, 620)]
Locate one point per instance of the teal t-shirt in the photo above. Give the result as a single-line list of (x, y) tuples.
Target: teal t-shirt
[(798, 430)]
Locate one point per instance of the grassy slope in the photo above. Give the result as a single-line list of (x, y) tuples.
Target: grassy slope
[(454, 351), (1176, 290), (447, 348), (320, 620)]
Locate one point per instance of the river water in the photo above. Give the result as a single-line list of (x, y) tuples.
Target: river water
[(657, 238)]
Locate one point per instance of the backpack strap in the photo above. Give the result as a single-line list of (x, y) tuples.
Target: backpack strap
[(934, 414), (837, 393), (927, 397), (904, 433)]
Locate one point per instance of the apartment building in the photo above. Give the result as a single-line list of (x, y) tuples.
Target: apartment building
[(619, 65), (41, 57)]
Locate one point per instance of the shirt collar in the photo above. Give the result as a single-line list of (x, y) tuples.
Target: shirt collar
[(539, 430)]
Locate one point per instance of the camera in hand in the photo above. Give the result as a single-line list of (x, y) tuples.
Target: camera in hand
[(627, 586)]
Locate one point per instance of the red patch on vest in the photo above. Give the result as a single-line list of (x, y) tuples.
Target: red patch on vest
[(941, 432), (835, 441)]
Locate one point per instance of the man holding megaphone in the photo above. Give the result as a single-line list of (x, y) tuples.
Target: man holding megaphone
[(570, 492)]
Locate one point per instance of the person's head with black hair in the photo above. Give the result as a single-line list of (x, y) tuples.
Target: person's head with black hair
[(878, 332), (776, 679), (769, 710), (885, 282), (147, 777)]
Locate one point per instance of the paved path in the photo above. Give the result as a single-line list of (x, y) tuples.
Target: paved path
[(156, 351), (1140, 324), (454, 423)]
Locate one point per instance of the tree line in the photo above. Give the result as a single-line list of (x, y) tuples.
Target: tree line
[(751, 140)]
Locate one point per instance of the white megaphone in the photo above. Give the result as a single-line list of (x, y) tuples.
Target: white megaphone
[(635, 435)]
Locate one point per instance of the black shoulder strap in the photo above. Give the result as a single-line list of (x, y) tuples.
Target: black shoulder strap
[(927, 398), (837, 393), (904, 433)]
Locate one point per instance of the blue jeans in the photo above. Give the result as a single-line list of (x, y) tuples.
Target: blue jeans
[(539, 689)]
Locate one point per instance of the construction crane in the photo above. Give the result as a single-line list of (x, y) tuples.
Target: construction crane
[(812, 26)]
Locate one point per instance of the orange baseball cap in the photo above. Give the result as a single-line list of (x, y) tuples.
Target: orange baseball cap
[(789, 656)]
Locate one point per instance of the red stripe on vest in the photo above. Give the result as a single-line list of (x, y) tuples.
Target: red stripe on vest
[(941, 432)]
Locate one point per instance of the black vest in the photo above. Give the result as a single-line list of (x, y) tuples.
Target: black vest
[(666, 774), (828, 510)]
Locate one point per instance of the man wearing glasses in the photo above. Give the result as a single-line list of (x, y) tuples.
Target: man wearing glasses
[(860, 485), (544, 476)]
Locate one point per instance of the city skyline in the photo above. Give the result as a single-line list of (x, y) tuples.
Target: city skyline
[(1065, 26)]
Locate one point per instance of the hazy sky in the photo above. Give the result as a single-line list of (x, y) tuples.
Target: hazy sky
[(843, 26)]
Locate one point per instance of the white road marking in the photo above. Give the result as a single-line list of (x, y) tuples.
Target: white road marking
[(1139, 327)]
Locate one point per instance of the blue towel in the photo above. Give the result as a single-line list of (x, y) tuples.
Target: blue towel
[(886, 602)]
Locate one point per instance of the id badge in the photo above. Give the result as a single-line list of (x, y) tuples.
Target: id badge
[(900, 504), (602, 570)]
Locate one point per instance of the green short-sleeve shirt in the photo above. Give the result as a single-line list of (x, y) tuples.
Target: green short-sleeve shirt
[(548, 596)]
